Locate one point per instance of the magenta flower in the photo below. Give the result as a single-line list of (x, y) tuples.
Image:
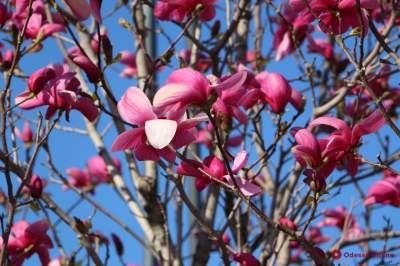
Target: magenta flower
[(38, 25), (277, 92), (186, 86), (154, 133), (343, 220), (345, 140), (4, 15), (385, 191), (203, 62), (35, 187), (284, 37), (179, 9), (97, 169), (79, 178), (246, 259), (129, 60), (60, 92), (26, 240), (212, 166), (26, 135), (92, 71), (287, 223), (338, 16), (82, 10)]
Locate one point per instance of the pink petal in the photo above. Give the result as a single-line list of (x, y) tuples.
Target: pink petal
[(240, 161), (86, 106), (129, 140), (145, 152), (368, 125), (95, 8), (135, 108), (27, 100), (89, 67), (331, 122), (233, 82)]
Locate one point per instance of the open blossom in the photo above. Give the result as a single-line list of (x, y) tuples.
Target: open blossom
[(154, 133), (336, 16), (26, 240), (38, 25), (345, 140), (211, 165), (290, 33), (179, 9), (59, 92), (186, 86), (385, 191), (343, 220), (97, 168)]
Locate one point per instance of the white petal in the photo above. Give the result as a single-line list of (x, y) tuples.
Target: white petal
[(160, 132)]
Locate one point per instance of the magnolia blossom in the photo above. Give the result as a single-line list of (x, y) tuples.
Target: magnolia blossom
[(343, 220), (82, 10), (26, 240), (97, 168), (129, 60), (59, 91), (38, 25), (322, 47), (385, 191), (291, 32), (345, 140), (203, 62), (35, 187), (179, 9), (246, 259), (26, 135), (79, 178), (84, 62), (187, 86), (336, 16), (155, 133)]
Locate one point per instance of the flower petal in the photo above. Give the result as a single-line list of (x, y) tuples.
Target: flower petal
[(160, 132)]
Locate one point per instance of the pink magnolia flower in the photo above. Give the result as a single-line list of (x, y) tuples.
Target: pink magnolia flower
[(322, 47), (6, 59), (59, 92), (80, 179), (288, 223), (26, 135), (211, 165), (38, 25), (35, 187), (82, 10), (186, 86), (97, 169), (277, 92), (26, 240), (293, 28), (154, 133), (313, 154), (246, 259), (247, 187), (385, 191), (343, 220), (129, 60), (179, 9), (345, 140), (92, 71), (338, 16)]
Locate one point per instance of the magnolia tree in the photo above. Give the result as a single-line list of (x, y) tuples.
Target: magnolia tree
[(199, 132)]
